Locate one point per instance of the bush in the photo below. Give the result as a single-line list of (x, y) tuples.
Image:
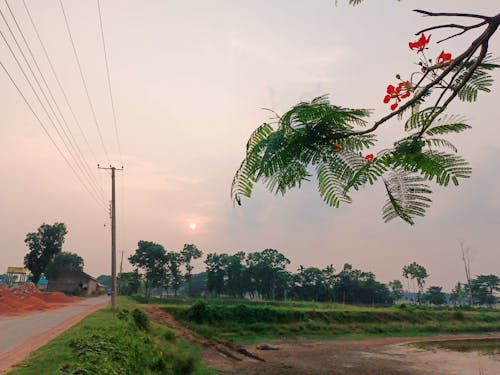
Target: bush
[(169, 335), (199, 313), (458, 315), (141, 320)]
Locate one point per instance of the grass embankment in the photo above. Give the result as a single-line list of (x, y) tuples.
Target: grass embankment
[(125, 342), (253, 322), (486, 346)]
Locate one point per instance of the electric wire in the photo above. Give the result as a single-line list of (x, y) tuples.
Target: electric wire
[(40, 102), (75, 160), (71, 139), (83, 80), (65, 96), (50, 137), (109, 82)]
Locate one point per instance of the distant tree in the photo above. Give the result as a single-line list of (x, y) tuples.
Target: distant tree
[(173, 262), (309, 284), (43, 245), (235, 272), (129, 283), (484, 288), (435, 296), (199, 284), (466, 259), (188, 253), (396, 289), (150, 258), (267, 269), (330, 282), (104, 280), (64, 261), (458, 294), (417, 273), (216, 272)]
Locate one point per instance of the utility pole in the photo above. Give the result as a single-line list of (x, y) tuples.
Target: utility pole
[(113, 234)]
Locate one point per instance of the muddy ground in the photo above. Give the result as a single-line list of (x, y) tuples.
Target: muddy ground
[(365, 357)]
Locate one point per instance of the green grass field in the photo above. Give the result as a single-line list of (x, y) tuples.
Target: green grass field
[(245, 322)]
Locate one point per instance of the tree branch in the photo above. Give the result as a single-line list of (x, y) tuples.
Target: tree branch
[(493, 23)]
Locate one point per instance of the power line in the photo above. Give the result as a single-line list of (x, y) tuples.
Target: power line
[(39, 100), (80, 158), (48, 135), (109, 81), (77, 122), (83, 80)]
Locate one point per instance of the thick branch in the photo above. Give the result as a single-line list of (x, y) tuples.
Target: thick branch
[(452, 26), (446, 14), (493, 23)]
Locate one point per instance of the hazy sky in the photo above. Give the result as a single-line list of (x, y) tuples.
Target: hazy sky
[(190, 79)]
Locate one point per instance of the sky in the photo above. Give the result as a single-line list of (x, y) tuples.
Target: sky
[(190, 80)]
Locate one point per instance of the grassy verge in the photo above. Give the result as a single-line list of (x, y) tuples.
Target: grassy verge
[(115, 343), (253, 322), (486, 346)]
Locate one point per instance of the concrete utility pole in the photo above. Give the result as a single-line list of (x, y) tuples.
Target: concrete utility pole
[(113, 234)]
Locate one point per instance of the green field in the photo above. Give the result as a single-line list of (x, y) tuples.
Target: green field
[(244, 322)]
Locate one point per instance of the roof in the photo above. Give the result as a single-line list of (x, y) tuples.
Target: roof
[(21, 270), (79, 272)]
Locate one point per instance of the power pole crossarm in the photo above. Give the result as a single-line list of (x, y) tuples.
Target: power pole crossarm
[(113, 234)]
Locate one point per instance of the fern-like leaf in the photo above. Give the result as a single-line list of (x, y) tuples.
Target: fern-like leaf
[(407, 196)]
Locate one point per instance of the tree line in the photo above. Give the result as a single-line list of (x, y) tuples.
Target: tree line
[(264, 274), (260, 274)]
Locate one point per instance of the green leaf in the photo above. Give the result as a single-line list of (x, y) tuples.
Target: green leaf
[(439, 142), (423, 118), (434, 164), (406, 196)]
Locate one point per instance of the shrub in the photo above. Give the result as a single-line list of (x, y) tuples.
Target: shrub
[(141, 320), (458, 315), (169, 335), (199, 312)]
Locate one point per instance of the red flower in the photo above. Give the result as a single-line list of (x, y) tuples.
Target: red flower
[(443, 57), (397, 94), (420, 44), (369, 158), (338, 146)]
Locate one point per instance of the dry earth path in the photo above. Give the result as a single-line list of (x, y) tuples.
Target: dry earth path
[(20, 335), (383, 356)]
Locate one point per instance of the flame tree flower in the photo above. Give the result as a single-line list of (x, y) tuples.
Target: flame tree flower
[(420, 44), (443, 57)]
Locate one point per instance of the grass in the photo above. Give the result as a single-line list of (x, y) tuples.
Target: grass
[(249, 322), (115, 343), (485, 346)]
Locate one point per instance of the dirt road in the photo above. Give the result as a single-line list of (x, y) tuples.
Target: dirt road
[(367, 357), (384, 356), (22, 335)]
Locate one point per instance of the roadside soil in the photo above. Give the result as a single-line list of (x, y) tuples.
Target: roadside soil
[(21, 335), (364, 357)]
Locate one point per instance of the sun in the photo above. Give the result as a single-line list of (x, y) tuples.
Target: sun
[(192, 226)]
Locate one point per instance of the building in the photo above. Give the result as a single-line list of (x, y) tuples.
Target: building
[(74, 281), (16, 275)]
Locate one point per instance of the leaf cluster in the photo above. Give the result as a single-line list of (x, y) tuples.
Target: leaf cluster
[(318, 136)]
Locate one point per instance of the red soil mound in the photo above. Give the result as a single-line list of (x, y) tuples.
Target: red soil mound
[(27, 298), (56, 297)]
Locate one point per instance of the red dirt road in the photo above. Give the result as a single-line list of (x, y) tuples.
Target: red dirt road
[(21, 335)]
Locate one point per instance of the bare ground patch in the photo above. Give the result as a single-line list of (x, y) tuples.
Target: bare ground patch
[(365, 357)]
